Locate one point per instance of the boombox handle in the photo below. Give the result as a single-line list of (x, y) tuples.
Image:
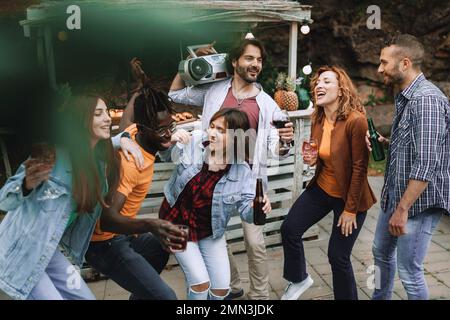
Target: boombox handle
[(191, 49)]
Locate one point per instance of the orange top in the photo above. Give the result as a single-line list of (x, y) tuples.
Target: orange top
[(326, 179), (134, 185)]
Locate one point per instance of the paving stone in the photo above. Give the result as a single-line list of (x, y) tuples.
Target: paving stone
[(318, 293), (362, 295), (316, 256), (433, 257), (113, 291), (362, 254), (444, 226), (322, 269), (432, 280), (4, 296), (442, 239), (442, 278), (437, 267), (440, 292), (98, 288), (436, 264), (434, 247)]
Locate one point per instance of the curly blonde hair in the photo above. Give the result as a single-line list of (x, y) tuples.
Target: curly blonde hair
[(348, 101)]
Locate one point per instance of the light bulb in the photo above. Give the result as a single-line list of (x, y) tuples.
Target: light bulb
[(307, 69), (249, 35), (305, 29)]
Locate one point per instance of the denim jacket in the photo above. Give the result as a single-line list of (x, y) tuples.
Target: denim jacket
[(233, 194), (36, 224), (211, 97)]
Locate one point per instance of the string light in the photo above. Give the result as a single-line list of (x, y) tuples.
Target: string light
[(305, 29), (307, 69)]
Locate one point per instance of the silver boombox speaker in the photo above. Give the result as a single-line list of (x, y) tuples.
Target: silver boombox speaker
[(204, 69)]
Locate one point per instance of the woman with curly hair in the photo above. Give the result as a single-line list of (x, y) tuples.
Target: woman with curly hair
[(340, 184)]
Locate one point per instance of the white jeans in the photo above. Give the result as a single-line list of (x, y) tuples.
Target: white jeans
[(61, 281), (205, 261)]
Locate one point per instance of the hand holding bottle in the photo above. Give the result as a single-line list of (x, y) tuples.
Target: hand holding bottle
[(381, 139), (374, 142)]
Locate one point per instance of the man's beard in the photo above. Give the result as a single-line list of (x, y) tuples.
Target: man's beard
[(242, 72), (393, 78)]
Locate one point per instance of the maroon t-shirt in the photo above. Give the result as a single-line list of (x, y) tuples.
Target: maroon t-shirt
[(249, 106)]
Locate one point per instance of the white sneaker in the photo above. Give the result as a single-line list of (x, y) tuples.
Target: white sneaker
[(294, 290)]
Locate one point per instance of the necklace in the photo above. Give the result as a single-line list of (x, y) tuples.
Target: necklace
[(239, 101)]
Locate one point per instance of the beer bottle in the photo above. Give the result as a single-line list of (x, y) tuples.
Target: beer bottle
[(259, 217), (377, 148)]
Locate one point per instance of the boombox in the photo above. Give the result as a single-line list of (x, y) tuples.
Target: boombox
[(204, 69)]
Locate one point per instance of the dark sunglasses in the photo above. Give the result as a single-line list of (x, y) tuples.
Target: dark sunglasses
[(162, 131)]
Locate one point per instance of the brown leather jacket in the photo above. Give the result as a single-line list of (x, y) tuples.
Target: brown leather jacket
[(350, 159)]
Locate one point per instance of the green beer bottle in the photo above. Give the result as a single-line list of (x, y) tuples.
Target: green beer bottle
[(377, 148)]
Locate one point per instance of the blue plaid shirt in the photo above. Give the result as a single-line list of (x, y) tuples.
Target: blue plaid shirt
[(420, 147)]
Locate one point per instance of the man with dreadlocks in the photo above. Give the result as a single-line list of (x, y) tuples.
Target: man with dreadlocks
[(133, 252)]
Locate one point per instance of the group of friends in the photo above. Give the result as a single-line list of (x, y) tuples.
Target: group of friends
[(83, 205)]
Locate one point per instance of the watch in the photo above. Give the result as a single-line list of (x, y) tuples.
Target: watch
[(125, 135)]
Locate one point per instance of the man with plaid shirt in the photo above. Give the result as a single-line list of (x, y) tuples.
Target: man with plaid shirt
[(416, 191)]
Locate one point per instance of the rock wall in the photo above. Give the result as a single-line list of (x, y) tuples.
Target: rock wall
[(339, 35)]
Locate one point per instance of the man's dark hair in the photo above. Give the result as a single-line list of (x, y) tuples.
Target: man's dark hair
[(148, 104), (409, 46), (237, 50)]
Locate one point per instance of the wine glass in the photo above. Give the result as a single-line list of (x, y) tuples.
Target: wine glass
[(44, 153), (279, 120), (310, 149)]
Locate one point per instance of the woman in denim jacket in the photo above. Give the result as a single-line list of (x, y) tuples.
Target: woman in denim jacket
[(207, 187), (57, 204)]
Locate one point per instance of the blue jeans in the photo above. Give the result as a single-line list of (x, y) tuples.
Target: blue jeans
[(405, 253), (134, 263), (205, 261), (60, 281)]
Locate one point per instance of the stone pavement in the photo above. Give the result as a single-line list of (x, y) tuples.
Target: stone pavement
[(437, 265)]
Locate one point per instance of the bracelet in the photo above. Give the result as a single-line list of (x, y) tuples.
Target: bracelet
[(125, 135)]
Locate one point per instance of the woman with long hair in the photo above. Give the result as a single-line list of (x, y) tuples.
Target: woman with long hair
[(205, 189), (53, 203), (340, 184)]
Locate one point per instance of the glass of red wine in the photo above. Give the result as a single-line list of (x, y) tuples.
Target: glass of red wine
[(279, 120)]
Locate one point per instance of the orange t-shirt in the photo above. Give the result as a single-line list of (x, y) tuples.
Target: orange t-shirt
[(326, 179), (134, 185)]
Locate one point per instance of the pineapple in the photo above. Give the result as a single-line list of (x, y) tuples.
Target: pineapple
[(279, 88), (290, 99)]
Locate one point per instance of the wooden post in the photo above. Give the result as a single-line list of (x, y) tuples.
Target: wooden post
[(40, 49), (293, 36), (301, 119), (298, 163), (5, 158), (49, 56)]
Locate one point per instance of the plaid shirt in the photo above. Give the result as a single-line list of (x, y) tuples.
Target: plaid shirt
[(420, 147), (193, 206)]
